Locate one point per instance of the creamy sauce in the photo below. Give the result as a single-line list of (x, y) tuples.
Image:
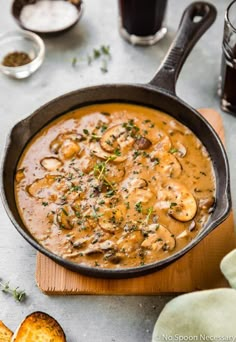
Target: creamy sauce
[(115, 185)]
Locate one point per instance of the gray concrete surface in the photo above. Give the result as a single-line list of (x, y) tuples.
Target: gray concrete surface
[(94, 318)]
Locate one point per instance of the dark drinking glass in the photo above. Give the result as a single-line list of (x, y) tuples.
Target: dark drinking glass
[(142, 22), (227, 84)]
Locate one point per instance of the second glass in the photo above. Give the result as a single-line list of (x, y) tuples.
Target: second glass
[(142, 22), (227, 84)]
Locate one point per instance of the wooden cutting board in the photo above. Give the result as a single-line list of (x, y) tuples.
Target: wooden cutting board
[(198, 269)]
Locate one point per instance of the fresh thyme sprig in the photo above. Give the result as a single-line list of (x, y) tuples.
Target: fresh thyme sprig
[(149, 213), (100, 170), (18, 294)]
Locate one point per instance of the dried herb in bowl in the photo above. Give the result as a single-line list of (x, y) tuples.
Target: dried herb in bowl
[(16, 58)]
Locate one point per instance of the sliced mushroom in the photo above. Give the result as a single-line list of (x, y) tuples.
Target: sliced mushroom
[(115, 173), (80, 242), (114, 258), (142, 143), (145, 196), (178, 127), (183, 235), (164, 143), (130, 242), (58, 141), (168, 164), (64, 217), (207, 203), (40, 188), (100, 247), (182, 204), (192, 226), (108, 244), (108, 141), (139, 183), (76, 205), (96, 150), (125, 143), (93, 249), (181, 150), (20, 175), (87, 163), (162, 238), (111, 218), (69, 149), (51, 163)]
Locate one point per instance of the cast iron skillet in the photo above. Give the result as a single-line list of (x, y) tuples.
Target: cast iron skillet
[(160, 94)]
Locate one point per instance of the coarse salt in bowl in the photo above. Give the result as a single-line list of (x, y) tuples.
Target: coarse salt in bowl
[(47, 16)]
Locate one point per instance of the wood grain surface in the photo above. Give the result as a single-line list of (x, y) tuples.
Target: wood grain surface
[(198, 269)]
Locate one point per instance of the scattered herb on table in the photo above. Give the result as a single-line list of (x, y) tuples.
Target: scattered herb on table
[(74, 62), (97, 53), (18, 294), (104, 68)]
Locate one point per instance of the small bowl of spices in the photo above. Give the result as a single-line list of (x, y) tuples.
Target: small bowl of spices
[(47, 17), (21, 53)]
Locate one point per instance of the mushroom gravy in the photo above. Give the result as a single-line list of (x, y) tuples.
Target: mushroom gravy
[(115, 185)]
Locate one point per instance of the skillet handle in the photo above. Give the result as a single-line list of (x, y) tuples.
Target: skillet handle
[(196, 19)]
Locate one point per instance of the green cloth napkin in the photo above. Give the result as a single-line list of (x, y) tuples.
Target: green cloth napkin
[(203, 315)]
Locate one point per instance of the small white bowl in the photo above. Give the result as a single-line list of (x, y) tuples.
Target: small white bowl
[(21, 41)]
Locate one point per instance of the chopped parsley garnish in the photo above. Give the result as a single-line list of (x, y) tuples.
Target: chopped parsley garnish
[(86, 131), (155, 161), (103, 128), (95, 137), (117, 152), (76, 188), (173, 150), (136, 154), (64, 211), (45, 204), (138, 207), (108, 142), (104, 68), (127, 205), (110, 193), (95, 214), (131, 127), (172, 205)]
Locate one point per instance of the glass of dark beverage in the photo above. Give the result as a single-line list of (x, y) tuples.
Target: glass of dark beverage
[(142, 22), (227, 84)]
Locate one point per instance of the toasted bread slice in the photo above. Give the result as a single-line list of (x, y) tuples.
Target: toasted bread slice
[(5, 333), (39, 327)]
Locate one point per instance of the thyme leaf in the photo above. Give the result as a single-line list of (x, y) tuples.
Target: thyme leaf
[(16, 293)]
